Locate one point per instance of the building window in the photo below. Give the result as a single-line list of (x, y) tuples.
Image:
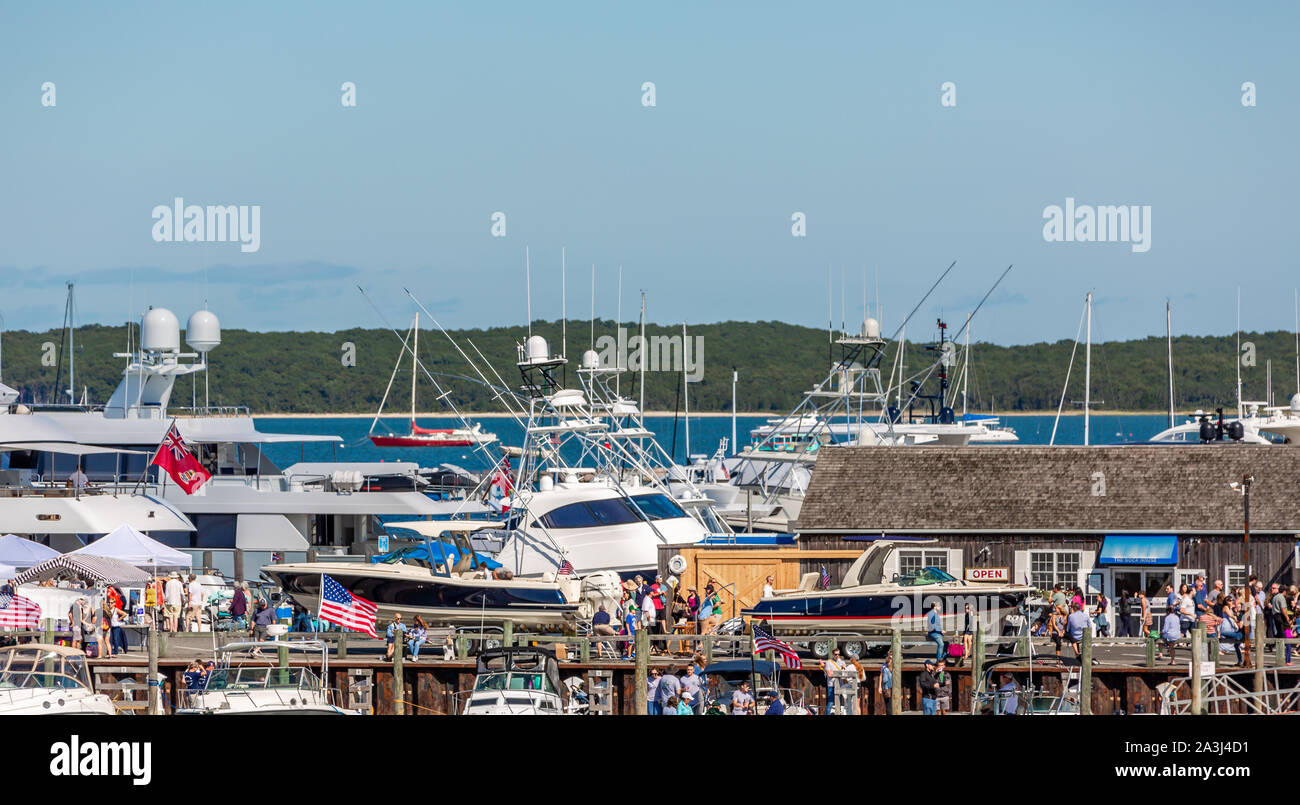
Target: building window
[(910, 562), (1234, 576), (1049, 568), (1188, 577)]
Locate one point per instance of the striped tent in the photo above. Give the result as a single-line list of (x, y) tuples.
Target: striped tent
[(91, 569)]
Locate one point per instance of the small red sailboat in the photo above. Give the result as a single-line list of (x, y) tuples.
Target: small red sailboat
[(425, 437)]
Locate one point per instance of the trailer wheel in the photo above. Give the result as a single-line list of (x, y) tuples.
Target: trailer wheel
[(853, 648), (821, 648)]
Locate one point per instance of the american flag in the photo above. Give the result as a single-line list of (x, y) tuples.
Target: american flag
[(337, 605), (19, 612), (763, 641), (826, 578), (566, 568)]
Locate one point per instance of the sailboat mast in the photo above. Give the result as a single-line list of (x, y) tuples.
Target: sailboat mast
[(1087, 373), (415, 350), (965, 374), (72, 348), (1169, 344)]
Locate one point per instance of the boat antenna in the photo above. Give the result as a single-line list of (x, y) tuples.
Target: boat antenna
[(1237, 357), (842, 298), (618, 353), (830, 313), (528, 291), (1297, 340), (593, 306), (686, 397), (643, 352), (564, 311), (1087, 374), (1169, 345)]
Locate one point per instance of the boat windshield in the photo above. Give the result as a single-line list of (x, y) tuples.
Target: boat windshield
[(26, 667), (253, 678), (926, 575), (514, 681)]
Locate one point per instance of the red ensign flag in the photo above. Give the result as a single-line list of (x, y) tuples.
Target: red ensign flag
[(174, 457)]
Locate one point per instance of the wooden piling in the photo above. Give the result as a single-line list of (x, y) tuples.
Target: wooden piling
[(1198, 647), (642, 672), (896, 671), (152, 644), (399, 689), (1257, 644), (976, 659), (1085, 674)]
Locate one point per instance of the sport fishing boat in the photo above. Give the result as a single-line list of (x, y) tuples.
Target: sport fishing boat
[(418, 436), (866, 602), (515, 682), (247, 681), (37, 679)]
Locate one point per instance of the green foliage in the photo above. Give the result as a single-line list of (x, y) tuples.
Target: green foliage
[(301, 372)]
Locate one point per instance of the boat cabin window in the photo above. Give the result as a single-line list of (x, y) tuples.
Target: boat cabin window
[(35, 668), (614, 511)]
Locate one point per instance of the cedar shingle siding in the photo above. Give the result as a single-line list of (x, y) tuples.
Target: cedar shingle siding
[(1052, 490)]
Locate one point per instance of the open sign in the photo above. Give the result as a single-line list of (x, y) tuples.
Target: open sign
[(988, 574)]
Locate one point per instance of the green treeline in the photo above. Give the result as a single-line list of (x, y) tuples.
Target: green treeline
[(286, 372)]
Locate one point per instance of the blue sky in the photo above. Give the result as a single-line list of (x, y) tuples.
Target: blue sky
[(763, 109)]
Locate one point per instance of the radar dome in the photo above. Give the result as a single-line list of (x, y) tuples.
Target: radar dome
[(870, 329), (160, 331), (1295, 404), (203, 332), (536, 349), (591, 359)]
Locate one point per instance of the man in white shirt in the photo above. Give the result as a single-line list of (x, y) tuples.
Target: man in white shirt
[(195, 612), (78, 479), (648, 612), (767, 587), (173, 600)]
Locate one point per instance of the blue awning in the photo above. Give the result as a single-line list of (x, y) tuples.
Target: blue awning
[(1133, 549)]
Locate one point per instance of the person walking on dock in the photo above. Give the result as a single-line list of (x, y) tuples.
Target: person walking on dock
[(943, 699), (652, 692), (1144, 613), (691, 688), (1101, 617), (1282, 620), (1056, 628), (934, 628), (194, 604), (239, 608), (670, 687), (831, 668), (1075, 626), (929, 689), (173, 600), (885, 683)]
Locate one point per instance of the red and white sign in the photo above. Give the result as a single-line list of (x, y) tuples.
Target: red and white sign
[(1002, 574)]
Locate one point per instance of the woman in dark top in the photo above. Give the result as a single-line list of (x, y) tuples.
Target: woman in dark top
[(967, 635), (1123, 608)]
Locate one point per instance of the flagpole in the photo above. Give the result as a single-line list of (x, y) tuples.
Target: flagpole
[(145, 472)]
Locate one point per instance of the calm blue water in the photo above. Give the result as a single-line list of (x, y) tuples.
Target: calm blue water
[(705, 434)]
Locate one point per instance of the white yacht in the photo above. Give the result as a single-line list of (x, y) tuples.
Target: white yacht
[(589, 490), (250, 504), (37, 679), (248, 681)]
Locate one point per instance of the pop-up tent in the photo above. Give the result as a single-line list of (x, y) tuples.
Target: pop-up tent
[(23, 553), (134, 548)]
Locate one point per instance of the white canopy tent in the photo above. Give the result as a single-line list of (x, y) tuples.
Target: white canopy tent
[(131, 546), (23, 553)]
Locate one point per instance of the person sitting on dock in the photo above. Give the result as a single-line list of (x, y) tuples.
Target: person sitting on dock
[(392, 635), (600, 625), (1172, 632), (934, 629), (416, 637), (1075, 626)]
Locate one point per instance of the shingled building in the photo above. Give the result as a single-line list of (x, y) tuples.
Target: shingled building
[(1103, 518)]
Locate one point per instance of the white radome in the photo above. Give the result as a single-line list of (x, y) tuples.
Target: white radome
[(160, 331), (203, 332)]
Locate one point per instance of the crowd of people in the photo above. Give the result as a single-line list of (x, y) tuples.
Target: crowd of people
[(659, 609)]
